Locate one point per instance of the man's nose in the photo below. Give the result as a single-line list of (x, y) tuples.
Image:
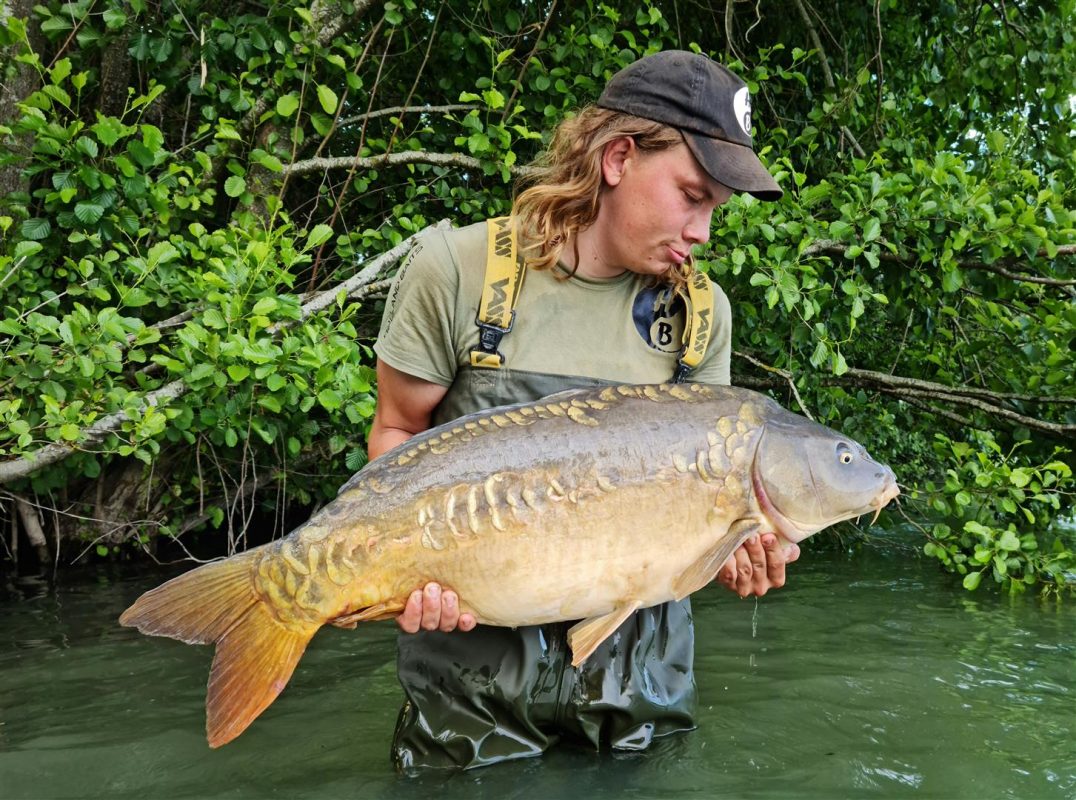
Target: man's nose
[(698, 228)]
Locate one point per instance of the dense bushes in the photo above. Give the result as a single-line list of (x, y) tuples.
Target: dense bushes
[(193, 207)]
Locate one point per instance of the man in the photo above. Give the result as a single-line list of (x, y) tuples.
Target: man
[(625, 191)]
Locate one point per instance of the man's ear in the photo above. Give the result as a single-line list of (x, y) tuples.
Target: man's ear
[(615, 158)]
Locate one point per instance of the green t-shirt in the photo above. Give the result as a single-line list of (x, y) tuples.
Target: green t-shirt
[(623, 329)]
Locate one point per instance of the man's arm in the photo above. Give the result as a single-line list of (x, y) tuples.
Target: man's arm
[(405, 406)]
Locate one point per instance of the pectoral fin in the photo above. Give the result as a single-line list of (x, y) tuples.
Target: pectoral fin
[(370, 614), (585, 636), (705, 568)]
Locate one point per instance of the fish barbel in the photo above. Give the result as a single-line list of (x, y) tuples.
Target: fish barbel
[(587, 505)]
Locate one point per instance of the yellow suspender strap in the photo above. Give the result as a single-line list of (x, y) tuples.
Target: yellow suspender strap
[(700, 318), (500, 290)]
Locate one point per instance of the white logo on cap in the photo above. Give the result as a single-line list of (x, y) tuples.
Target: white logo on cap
[(741, 107)]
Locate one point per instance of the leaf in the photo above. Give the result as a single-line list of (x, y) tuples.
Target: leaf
[(286, 105), (60, 71), (1019, 477), (355, 459), (265, 306), (972, 580), (86, 146), (88, 213), (318, 236), (114, 19), (109, 130), (26, 249), (235, 186), (238, 372), (392, 14), (872, 230), (330, 399), (327, 98), (1009, 541)]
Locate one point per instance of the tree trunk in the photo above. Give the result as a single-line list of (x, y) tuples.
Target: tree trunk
[(17, 80)]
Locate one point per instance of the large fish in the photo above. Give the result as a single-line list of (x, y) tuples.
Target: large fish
[(586, 505)]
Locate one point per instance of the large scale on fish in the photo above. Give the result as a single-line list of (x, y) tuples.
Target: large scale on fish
[(586, 505)]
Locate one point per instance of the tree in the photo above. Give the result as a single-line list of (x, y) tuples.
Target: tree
[(205, 209)]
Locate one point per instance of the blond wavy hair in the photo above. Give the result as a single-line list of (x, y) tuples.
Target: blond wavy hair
[(562, 194)]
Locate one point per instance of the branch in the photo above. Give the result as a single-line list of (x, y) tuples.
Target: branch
[(982, 394), (355, 283), (833, 247), (526, 63), (784, 374), (1054, 428), (915, 391), (95, 434), (395, 159), (826, 73), (384, 112), (328, 21)]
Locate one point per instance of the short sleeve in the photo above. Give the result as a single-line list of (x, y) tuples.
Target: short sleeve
[(715, 366), (417, 333)]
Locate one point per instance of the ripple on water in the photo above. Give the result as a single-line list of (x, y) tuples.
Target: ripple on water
[(872, 676)]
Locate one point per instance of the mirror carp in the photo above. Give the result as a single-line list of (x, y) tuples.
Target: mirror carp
[(586, 505)]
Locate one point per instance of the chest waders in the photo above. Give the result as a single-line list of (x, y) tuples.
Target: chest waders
[(495, 694)]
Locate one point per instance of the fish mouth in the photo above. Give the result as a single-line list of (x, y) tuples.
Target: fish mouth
[(794, 531)]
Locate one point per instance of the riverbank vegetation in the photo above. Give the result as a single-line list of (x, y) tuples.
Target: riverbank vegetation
[(200, 206)]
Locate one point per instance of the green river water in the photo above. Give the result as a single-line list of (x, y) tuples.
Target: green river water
[(871, 675)]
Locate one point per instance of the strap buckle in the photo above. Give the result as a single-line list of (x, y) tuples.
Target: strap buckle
[(682, 371), (490, 335)]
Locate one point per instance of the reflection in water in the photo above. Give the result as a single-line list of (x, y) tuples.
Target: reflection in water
[(872, 676)]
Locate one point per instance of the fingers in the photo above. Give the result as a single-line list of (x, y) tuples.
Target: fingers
[(432, 609), (775, 562), (758, 565), (726, 576), (750, 562), (411, 616)]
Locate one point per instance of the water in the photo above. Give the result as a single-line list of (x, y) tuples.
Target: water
[(870, 676)]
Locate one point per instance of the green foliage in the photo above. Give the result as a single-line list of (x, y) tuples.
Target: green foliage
[(997, 509), (158, 233)]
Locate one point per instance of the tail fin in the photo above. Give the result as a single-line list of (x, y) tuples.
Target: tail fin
[(256, 653)]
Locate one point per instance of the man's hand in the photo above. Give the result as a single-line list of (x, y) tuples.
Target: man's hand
[(757, 566), (431, 609)]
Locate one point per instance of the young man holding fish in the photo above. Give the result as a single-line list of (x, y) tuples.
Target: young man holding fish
[(627, 190)]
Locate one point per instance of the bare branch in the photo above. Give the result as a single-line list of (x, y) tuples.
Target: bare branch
[(913, 389), (353, 284), (394, 159), (784, 374), (400, 110), (1033, 423)]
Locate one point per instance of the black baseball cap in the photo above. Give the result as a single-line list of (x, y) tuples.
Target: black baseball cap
[(708, 104)]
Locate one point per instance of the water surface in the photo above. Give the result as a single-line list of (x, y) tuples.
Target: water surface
[(871, 675)]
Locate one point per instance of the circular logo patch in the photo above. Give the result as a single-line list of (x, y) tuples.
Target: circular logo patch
[(658, 312)]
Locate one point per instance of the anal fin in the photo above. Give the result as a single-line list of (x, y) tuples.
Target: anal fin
[(705, 568), (585, 636)]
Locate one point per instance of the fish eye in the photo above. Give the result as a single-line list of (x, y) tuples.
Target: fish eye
[(844, 454)]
